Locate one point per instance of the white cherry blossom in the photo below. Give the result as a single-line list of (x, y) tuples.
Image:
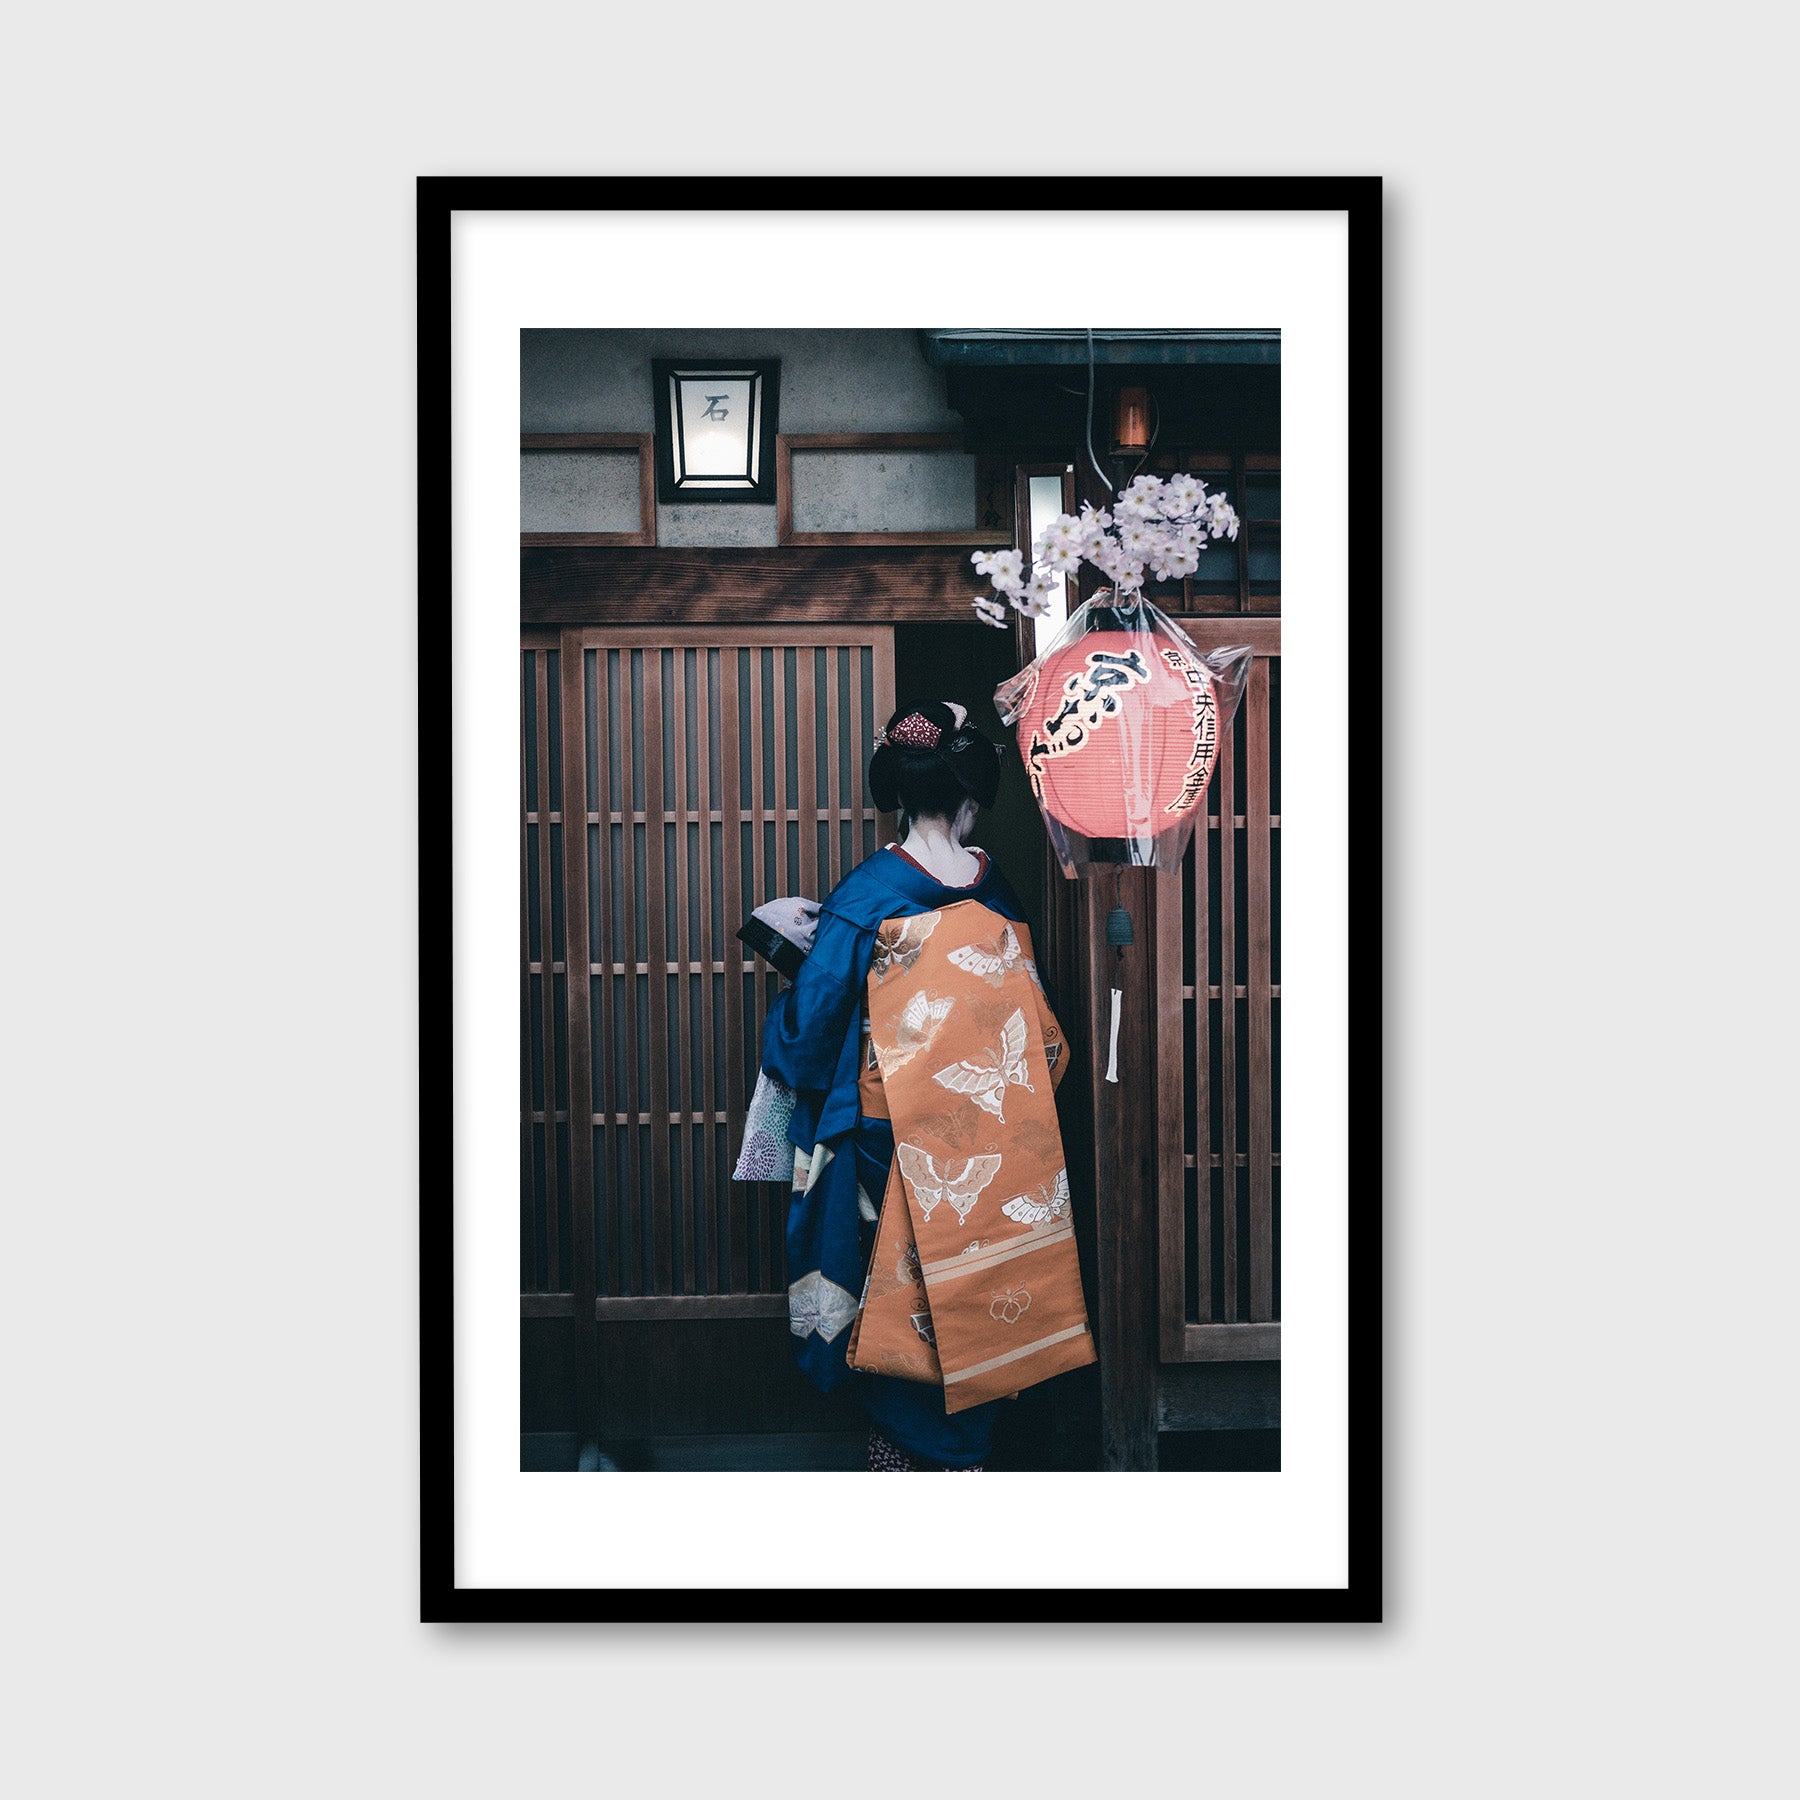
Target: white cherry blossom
[(1137, 537), (999, 565), (1181, 494)]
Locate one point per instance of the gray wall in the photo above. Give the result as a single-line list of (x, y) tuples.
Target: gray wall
[(830, 381)]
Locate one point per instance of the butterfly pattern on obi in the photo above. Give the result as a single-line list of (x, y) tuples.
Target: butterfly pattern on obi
[(1009, 1305), (918, 1024), (991, 958), (986, 1082), (898, 943), (1042, 1203), (959, 1182)]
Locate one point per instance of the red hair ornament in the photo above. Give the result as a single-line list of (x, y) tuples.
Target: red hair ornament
[(1119, 724)]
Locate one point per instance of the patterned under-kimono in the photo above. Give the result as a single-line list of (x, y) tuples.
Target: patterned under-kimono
[(968, 1288)]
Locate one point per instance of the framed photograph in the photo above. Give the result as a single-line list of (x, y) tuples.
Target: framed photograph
[(900, 958)]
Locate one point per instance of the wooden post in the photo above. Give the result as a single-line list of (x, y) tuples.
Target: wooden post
[(581, 1269), (1125, 1173)]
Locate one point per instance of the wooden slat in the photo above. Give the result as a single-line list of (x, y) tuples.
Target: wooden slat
[(631, 1203), (662, 1235), (806, 737), (779, 699), (704, 953), (582, 540), (831, 796), (682, 1031), (583, 440), (884, 710), (607, 1077), (579, 1277), (1257, 977), (733, 912), (762, 888), (548, 1306), (527, 1161), (547, 988), (1171, 1173), (857, 800), (871, 440), (1200, 911), (1223, 778)]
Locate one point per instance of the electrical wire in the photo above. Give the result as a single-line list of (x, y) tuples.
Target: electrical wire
[(1155, 430), (1105, 480)]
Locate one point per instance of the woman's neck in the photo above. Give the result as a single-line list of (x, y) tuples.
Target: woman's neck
[(938, 846)]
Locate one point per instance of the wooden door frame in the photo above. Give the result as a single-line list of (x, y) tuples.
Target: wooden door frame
[(579, 1297)]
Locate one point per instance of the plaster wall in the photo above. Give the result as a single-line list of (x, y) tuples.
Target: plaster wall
[(830, 381)]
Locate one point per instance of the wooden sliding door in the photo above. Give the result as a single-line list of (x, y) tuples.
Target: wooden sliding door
[(1218, 984), (673, 778)]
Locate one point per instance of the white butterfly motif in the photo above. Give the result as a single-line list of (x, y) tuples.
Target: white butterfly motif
[(991, 958), (919, 1022), (1009, 1305), (898, 944), (1046, 1203), (986, 1082), (921, 1323), (959, 1183)]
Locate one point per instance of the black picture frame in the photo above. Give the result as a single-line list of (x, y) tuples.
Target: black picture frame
[(441, 1599), (673, 485)]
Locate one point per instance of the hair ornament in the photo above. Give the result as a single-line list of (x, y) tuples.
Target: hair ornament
[(916, 732)]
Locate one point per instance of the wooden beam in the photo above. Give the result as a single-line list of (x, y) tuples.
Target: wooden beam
[(610, 1309), (752, 586), (1231, 1343), (1209, 634), (1219, 1396)]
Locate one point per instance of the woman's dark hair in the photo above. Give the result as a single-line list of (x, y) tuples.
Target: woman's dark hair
[(927, 764)]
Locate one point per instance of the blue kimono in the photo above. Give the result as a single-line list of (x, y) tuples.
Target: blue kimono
[(812, 1041)]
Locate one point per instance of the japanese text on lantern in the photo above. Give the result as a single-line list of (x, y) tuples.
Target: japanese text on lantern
[(1205, 737)]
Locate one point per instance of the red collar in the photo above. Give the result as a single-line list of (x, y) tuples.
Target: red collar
[(981, 869)]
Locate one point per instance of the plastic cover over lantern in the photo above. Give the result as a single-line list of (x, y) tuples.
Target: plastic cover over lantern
[(1119, 723)]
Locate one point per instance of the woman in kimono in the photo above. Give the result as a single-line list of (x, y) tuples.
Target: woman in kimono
[(936, 770)]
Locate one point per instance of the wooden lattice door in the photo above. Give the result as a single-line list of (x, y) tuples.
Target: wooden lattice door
[(712, 768), (1218, 964)]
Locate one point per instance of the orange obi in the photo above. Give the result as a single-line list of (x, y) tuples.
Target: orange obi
[(973, 1282)]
